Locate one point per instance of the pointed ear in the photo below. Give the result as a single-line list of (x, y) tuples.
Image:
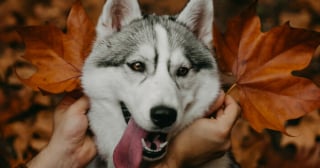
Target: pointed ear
[(198, 16), (116, 14)]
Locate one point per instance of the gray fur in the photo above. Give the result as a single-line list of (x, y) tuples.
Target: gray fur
[(164, 44), (141, 31)]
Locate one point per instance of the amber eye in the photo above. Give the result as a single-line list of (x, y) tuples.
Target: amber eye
[(137, 66), (182, 71)]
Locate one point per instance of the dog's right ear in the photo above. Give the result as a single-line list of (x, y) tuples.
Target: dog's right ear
[(116, 14)]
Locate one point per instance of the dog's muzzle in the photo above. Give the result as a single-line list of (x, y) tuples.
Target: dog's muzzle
[(155, 143)]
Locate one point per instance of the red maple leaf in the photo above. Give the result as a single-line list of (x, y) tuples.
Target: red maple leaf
[(262, 65), (57, 56)]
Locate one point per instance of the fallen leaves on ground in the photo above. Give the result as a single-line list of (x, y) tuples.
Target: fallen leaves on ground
[(21, 109), (262, 65), (57, 56), (271, 149)]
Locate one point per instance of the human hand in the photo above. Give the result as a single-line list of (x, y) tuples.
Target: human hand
[(69, 146), (205, 139)]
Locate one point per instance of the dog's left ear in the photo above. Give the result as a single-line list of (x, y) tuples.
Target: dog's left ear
[(198, 16), (115, 14)]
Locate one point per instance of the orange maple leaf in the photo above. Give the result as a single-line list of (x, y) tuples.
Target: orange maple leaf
[(262, 64), (57, 56)]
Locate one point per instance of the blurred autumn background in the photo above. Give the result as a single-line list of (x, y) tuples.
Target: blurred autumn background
[(26, 116)]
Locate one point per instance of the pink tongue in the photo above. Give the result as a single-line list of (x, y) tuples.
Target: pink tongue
[(128, 152)]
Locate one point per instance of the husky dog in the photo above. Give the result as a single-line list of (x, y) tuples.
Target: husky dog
[(147, 78)]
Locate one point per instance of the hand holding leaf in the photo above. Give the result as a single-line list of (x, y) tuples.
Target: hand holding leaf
[(262, 64)]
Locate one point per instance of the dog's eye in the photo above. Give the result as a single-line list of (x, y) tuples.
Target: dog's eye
[(137, 66), (182, 71)]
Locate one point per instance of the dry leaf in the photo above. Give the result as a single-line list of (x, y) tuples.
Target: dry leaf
[(305, 133), (58, 56), (248, 146), (262, 64)]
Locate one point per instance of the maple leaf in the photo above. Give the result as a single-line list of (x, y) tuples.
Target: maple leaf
[(262, 65), (58, 56)]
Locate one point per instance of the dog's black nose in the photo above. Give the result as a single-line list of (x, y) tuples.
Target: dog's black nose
[(163, 116)]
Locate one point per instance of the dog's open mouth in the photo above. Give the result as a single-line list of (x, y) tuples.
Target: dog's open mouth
[(153, 144)]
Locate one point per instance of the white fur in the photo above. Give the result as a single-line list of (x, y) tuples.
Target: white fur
[(163, 44), (107, 86)]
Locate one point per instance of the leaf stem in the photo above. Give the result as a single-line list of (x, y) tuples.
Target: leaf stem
[(231, 88)]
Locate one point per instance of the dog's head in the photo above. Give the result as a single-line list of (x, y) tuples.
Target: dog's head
[(158, 69)]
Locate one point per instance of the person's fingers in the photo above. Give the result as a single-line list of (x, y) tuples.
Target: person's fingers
[(220, 112), (230, 113), (211, 142), (71, 103), (87, 151), (81, 106), (62, 107), (65, 103), (225, 119), (217, 104), (68, 99), (90, 147)]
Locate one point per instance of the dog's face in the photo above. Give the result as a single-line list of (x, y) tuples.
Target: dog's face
[(158, 69)]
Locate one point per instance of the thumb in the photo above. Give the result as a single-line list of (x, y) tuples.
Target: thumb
[(216, 104), (68, 99), (230, 114)]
